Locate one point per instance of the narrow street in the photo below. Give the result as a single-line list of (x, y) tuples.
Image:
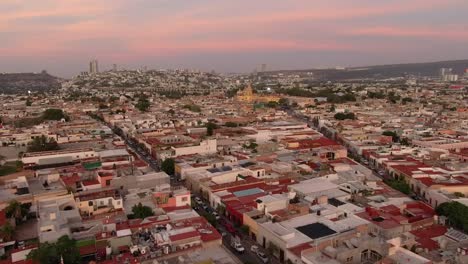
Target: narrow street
[(248, 256)]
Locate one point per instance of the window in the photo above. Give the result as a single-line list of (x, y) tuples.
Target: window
[(184, 199)]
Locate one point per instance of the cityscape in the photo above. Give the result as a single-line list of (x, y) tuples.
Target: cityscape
[(107, 162)]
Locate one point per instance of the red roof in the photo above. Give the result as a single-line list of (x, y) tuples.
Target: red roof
[(88, 250), (425, 236), (3, 218), (182, 236), (91, 182)]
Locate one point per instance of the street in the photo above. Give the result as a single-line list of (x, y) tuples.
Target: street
[(248, 256)]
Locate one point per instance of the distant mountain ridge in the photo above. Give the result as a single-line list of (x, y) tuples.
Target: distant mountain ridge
[(383, 71), (24, 82)]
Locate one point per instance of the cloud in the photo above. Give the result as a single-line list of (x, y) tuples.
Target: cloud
[(76, 29)]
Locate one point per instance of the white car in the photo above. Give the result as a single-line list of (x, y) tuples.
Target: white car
[(254, 248), (238, 247), (216, 215), (262, 256)]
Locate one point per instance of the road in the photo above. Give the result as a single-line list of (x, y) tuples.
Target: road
[(248, 256)]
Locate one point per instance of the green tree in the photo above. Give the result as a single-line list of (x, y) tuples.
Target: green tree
[(271, 104), (7, 231), (193, 108), (231, 124), (168, 166), (399, 184), (54, 114), (16, 210), (457, 214), (52, 253), (143, 104), (210, 127), (343, 116), (283, 101), (393, 134), (43, 143), (245, 229), (141, 211)]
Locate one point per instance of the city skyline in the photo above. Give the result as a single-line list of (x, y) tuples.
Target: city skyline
[(62, 37)]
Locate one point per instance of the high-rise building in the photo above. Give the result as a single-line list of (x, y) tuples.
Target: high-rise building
[(114, 67), (446, 75), (93, 66), (445, 71), (264, 67)]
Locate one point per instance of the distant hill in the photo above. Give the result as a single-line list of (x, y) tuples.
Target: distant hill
[(24, 82), (384, 71)]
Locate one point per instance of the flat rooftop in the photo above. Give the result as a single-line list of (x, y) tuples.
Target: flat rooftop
[(316, 230)]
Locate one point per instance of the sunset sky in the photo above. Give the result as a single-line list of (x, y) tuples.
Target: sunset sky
[(62, 36)]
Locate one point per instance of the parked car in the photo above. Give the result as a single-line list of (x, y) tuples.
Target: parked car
[(262, 256), (236, 244), (216, 215), (254, 249)]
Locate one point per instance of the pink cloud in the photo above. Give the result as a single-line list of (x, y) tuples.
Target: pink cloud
[(417, 32)]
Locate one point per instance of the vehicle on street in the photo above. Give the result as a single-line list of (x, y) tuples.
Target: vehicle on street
[(216, 215), (262, 256), (198, 200), (236, 244), (254, 249)]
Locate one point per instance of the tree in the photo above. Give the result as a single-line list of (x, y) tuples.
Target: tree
[(271, 104), (343, 116), (193, 108), (245, 229), (210, 127), (7, 231), (141, 211), (231, 124), (393, 134), (54, 114), (283, 101), (53, 253), (143, 104), (457, 214), (43, 143), (16, 210), (399, 184), (28, 102), (168, 166)]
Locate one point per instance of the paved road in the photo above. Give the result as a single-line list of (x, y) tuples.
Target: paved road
[(248, 256)]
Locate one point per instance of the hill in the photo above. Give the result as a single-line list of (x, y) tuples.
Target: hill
[(24, 82), (383, 71)]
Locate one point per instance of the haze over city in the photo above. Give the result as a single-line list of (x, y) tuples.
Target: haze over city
[(227, 36)]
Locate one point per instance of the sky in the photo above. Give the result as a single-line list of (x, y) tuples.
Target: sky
[(62, 36)]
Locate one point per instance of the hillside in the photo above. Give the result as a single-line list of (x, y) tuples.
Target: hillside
[(24, 82), (383, 71)]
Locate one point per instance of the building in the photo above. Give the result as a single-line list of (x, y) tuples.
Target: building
[(57, 216), (247, 95), (93, 66)]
